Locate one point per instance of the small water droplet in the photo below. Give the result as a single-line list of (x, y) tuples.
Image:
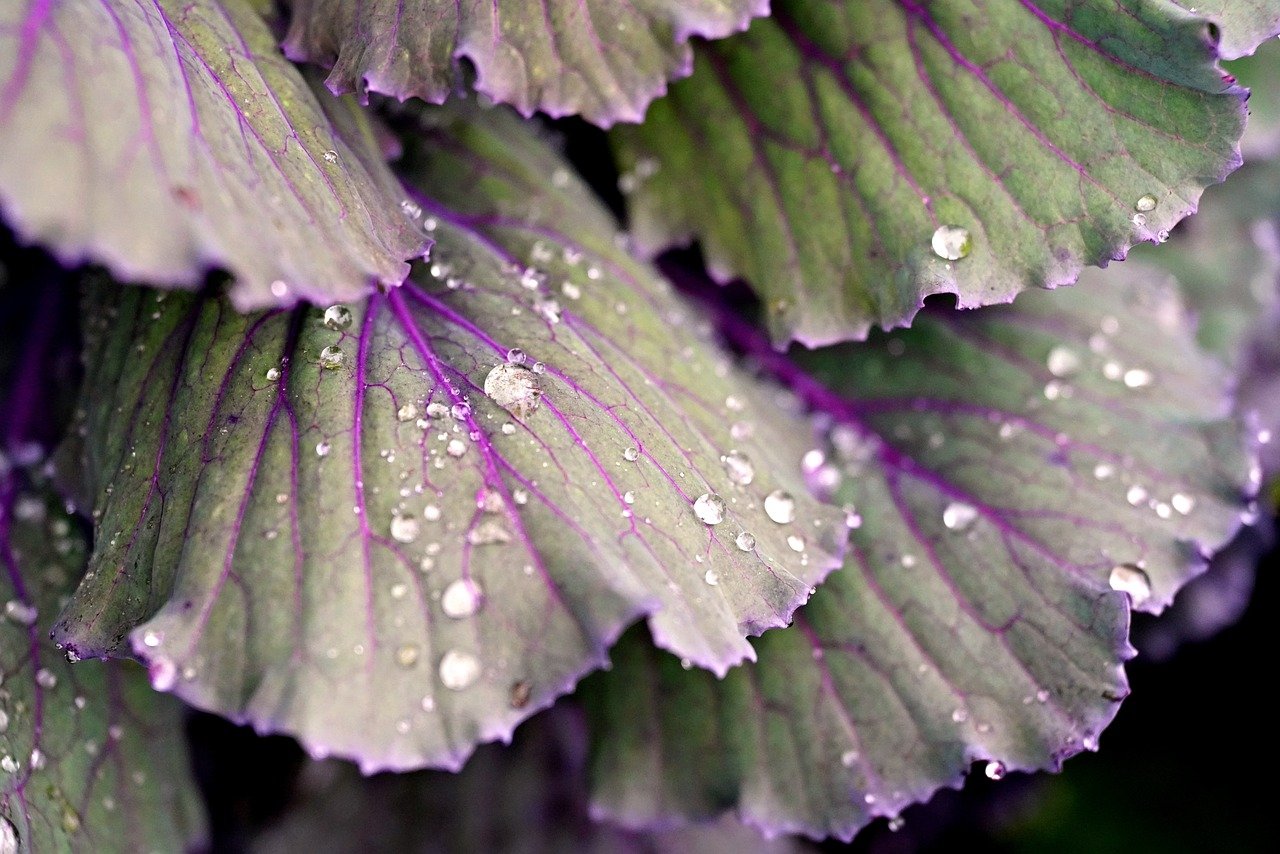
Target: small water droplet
[(1184, 504), (407, 655), (959, 715), (896, 823), (1042, 696), (331, 156), (1135, 495), (1062, 362), (437, 410), (745, 541), (958, 516), (8, 833), (10, 766), (1128, 578), (709, 508), (1145, 204), (796, 543), (515, 388), (1137, 378), (739, 468), (631, 455), (331, 358), (460, 411), (459, 670), (629, 497), (273, 374), (46, 679), (995, 770), (489, 532), (20, 612), (152, 638), (404, 527), (516, 356), (848, 758), (455, 448), (711, 577), (1102, 471), (337, 317), (163, 673), (780, 507), (461, 599), (951, 242)]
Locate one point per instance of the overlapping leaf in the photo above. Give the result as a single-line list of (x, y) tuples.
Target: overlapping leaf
[(850, 158), (387, 529), (527, 797), (602, 59), (91, 759), (1243, 24), (165, 137), (1008, 471)]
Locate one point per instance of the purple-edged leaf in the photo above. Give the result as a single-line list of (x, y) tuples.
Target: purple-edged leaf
[(1244, 24), (396, 529), (527, 797), (850, 158), (602, 59), (91, 759), (1007, 472), (162, 138)]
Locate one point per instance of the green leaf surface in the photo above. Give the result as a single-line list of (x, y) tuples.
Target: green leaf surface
[(163, 138), (1008, 473), (602, 59), (396, 529), (1244, 24), (91, 759), (849, 159)]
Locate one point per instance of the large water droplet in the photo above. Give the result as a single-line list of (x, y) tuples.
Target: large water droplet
[(459, 670), (337, 317), (1128, 578), (515, 388), (995, 770), (709, 508), (957, 516), (1146, 204), (461, 599), (404, 527), (952, 242), (780, 506), (331, 358), (739, 468)]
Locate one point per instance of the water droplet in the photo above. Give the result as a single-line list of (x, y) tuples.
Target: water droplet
[(745, 541), (780, 507), (796, 543), (1135, 495), (1162, 236), (152, 638), (461, 599), (1062, 362), (273, 374), (408, 412), (629, 497), (539, 367), (1139, 220), (331, 358), (515, 388), (995, 770), (10, 766), (959, 716), (4, 722), (711, 577), (46, 679), (407, 655), (896, 823), (337, 317), (631, 455), (848, 758), (516, 356), (460, 411), (455, 448), (488, 533), (1184, 504), (20, 612), (437, 410), (709, 508), (958, 516), (322, 449), (1137, 378), (331, 156), (1128, 578), (8, 833), (459, 670), (404, 527), (951, 242), (1146, 204), (163, 673), (1102, 471), (739, 468)]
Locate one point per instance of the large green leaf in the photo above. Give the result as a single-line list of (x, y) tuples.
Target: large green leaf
[(91, 759), (398, 528), (851, 158), (1008, 472), (603, 59), (1244, 24), (165, 137)]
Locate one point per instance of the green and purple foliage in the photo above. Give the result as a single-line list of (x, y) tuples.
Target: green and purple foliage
[(337, 400)]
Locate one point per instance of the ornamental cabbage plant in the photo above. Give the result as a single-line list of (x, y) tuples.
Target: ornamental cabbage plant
[(382, 374)]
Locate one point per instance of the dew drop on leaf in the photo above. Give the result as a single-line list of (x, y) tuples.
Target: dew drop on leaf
[(709, 508), (461, 599), (408, 412), (711, 577), (1062, 361), (780, 507), (958, 516), (404, 528), (331, 358), (951, 242), (995, 770), (1130, 579), (1145, 204), (322, 449), (20, 612), (516, 356), (739, 468), (337, 317), (459, 670), (1184, 504), (407, 655), (163, 673), (1137, 378), (46, 679), (8, 833), (273, 374), (515, 388), (631, 455), (456, 448), (460, 411), (745, 541)]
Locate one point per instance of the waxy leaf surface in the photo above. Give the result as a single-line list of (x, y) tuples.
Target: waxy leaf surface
[(602, 59), (849, 159), (398, 531), (91, 759), (1243, 24), (163, 138), (1005, 481)]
